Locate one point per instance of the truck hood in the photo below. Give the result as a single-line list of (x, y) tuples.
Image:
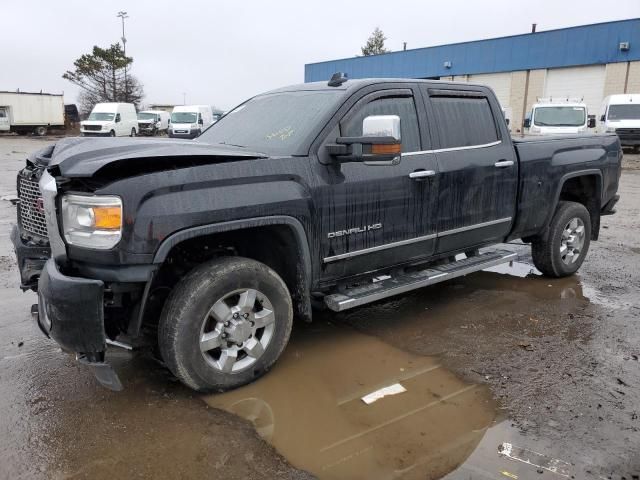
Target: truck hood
[(83, 157)]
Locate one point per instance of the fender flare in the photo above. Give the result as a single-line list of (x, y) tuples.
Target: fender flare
[(304, 309), (563, 180)]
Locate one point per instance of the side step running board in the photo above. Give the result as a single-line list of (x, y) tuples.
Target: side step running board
[(360, 295)]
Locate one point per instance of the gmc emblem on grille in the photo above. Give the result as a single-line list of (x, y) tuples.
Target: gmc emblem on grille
[(39, 205)]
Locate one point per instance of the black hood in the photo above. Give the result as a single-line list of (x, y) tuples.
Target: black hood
[(83, 157)]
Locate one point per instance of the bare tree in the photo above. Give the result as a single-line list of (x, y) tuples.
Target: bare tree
[(375, 44), (100, 76)]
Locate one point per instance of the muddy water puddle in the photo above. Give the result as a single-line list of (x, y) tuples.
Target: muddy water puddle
[(311, 408)]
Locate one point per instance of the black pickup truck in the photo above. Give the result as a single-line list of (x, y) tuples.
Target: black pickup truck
[(318, 195)]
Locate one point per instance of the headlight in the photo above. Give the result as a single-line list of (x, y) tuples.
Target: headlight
[(611, 129), (92, 221)]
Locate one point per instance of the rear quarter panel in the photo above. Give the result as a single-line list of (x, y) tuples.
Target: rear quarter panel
[(546, 163)]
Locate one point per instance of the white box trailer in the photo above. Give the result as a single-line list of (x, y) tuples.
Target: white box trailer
[(23, 112)]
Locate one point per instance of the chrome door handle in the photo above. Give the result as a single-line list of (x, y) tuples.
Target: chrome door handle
[(422, 174), (503, 164)]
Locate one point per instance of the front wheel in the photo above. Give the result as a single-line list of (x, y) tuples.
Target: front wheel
[(225, 324), (133, 132), (561, 252)]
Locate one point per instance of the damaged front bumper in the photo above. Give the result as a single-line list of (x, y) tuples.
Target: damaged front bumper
[(70, 310), (31, 256)]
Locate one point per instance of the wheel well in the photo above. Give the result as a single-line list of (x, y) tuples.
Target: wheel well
[(274, 245), (585, 190)]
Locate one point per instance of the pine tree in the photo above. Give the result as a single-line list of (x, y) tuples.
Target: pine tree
[(375, 44), (100, 76)]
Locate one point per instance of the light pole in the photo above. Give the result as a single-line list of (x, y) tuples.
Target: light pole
[(122, 15)]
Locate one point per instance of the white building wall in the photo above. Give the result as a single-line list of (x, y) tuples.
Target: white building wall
[(499, 82), (585, 82)]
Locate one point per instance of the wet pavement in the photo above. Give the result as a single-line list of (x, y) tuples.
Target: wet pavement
[(500, 374)]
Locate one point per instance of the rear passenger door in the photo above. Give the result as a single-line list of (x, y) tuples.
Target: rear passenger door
[(477, 168)]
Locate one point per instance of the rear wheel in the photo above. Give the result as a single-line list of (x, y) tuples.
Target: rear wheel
[(40, 131), (225, 324), (566, 244)]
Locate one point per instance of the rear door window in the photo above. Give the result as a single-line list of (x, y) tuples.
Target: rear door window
[(404, 107), (463, 121)]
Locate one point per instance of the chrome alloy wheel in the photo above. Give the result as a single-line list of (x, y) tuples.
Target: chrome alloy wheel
[(237, 330), (572, 241)]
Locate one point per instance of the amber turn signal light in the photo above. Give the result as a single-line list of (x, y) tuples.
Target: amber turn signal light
[(108, 218), (386, 149)]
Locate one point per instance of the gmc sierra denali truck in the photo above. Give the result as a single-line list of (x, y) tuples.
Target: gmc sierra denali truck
[(318, 195)]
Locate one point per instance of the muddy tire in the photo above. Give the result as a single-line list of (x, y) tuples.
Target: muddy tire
[(225, 324), (562, 250)]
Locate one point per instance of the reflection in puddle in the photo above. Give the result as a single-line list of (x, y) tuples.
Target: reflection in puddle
[(516, 269), (505, 453), (310, 408)]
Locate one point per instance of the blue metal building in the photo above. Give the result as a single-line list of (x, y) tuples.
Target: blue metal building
[(584, 45), (588, 62)]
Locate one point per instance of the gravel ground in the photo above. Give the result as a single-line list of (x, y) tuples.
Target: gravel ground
[(555, 362)]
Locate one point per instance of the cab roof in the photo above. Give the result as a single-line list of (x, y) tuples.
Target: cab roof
[(352, 85)]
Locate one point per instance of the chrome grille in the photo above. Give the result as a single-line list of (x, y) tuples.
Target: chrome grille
[(31, 208)]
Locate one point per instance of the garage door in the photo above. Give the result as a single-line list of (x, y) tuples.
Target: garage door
[(577, 82), (499, 82)]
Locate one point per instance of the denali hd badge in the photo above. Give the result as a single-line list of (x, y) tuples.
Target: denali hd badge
[(363, 229)]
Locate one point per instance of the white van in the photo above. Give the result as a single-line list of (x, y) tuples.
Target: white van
[(559, 118), (621, 114), (153, 122), (111, 120), (189, 121)]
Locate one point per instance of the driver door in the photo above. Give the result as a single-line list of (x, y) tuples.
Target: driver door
[(4, 119), (376, 216)]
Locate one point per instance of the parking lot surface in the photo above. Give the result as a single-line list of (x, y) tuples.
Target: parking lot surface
[(506, 374)]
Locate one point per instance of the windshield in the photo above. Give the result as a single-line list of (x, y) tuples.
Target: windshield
[(624, 112), (101, 116), (146, 116), (184, 117), (276, 123), (559, 116)]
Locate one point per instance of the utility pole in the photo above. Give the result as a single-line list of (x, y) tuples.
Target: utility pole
[(184, 98), (122, 15)]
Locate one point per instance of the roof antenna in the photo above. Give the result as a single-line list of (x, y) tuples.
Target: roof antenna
[(337, 79)]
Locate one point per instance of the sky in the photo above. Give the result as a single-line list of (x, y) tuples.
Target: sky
[(222, 52)]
